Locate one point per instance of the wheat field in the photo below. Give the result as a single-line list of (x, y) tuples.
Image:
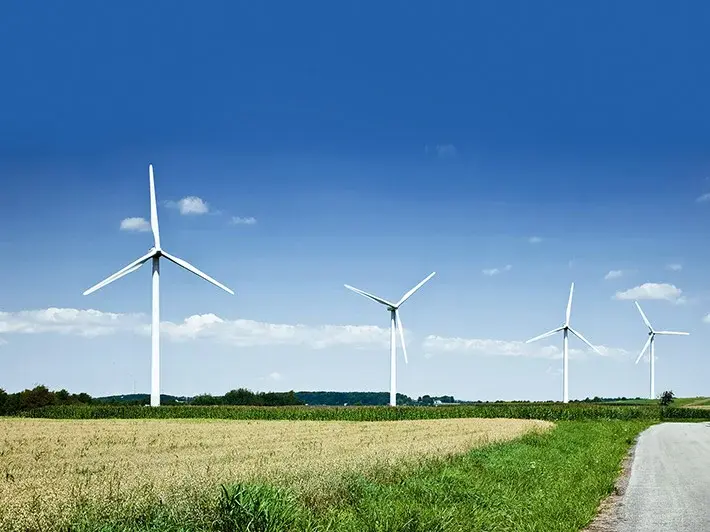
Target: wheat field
[(53, 470)]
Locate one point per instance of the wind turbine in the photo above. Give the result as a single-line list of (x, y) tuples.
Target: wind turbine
[(155, 253), (651, 340), (565, 349), (395, 323)]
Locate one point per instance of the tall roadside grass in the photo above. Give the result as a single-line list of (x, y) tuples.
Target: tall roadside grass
[(543, 411)]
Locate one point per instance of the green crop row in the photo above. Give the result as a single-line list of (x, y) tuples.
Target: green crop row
[(550, 412)]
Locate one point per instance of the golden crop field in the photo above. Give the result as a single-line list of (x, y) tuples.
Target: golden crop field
[(54, 469)]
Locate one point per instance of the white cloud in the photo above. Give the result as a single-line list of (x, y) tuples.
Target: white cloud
[(238, 220), (89, 323), (495, 271), (190, 205), (703, 198), (438, 345), (675, 267), (535, 239), (239, 332), (663, 291), (245, 333), (135, 224), (706, 318), (275, 376), (446, 150), (442, 150), (614, 274)]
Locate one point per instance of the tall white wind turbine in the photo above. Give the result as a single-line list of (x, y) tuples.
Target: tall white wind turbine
[(652, 355), (395, 324), (565, 349), (155, 253)]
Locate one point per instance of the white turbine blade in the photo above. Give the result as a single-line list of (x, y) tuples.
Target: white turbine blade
[(645, 346), (190, 268), (569, 304), (409, 294), (401, 335), (369, 296), (153, 209), (133, 266), (673, 332), (549, 333), (645, 319), (578, 335)]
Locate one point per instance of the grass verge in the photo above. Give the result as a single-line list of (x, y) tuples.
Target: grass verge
[(547, 482)]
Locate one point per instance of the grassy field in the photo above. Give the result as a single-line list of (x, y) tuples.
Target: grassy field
[(58, 471)]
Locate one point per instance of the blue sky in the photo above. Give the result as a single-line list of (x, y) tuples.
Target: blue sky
[(512, 149)]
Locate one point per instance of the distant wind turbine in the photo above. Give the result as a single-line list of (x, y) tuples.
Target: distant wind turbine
[(395, 323), (155, 253), (565, 350), (650, 342)]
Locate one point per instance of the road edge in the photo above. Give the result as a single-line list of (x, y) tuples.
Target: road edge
[(608, 512)]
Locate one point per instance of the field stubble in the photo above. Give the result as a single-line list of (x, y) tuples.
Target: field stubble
[(55, 470)]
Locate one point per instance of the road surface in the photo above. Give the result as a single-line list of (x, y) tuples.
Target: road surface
[(669, 486)]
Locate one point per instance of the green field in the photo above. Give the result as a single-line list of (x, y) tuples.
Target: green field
[(544, 411), (552, 480)]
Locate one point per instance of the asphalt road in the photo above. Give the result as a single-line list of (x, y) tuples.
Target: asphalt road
[(669, 486)]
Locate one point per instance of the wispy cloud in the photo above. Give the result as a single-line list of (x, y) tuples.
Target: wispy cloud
[(239, 332), (444, 151), (614, 274), (135, 224), (706, 318), (535, 240), (189, 205), (238, 220), (703, 198), (439, 345), (662, 291), (88, 323), (674, 267), (275, 376), (495, 271)]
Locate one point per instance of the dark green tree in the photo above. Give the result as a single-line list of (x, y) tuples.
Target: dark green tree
[(666, 398)]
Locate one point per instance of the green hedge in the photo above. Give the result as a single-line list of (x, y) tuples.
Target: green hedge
[(551, 412)]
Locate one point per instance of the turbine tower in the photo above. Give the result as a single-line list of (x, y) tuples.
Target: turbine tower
[(395, 323), (565, 349), (650, 342), (155, 253)]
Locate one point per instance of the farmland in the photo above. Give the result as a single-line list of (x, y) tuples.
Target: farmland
[(459, 467), (56, 470), (544, 411)]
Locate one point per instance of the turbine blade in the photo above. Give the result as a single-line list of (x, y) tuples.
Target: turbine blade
[(401, 335), (645, 319), (153, 209), (673, 332), (409, 294), (133, 266), (578, 335), (569, 304), (369, 296), (549, 333), (190, 268), (645, 346)]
